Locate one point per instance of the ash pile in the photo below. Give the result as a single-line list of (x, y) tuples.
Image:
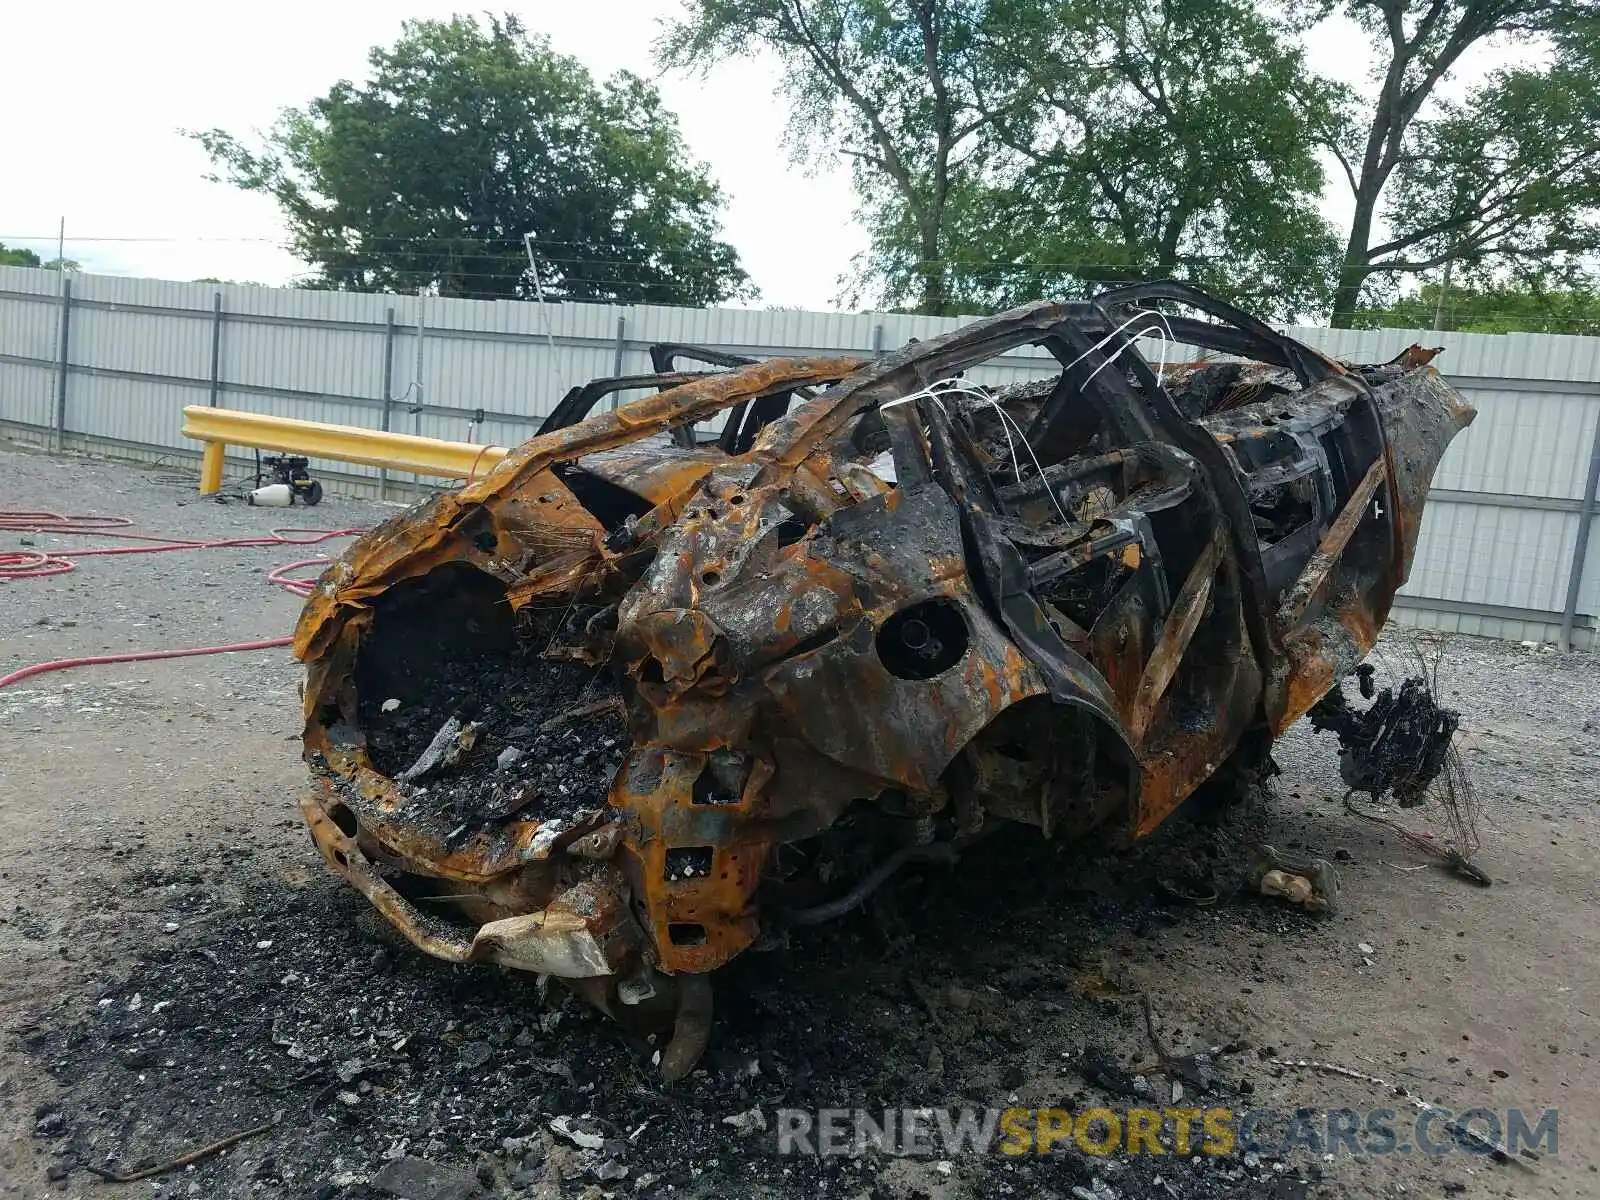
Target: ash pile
[(497, 735)]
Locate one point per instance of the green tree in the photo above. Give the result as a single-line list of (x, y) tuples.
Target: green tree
[(16, 256), (1168, 140), (469, 136), (1524, 306), (1004, 149), (1511, 203), (906, 89), (1508, 178)]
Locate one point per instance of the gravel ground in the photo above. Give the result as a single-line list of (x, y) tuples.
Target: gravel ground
[(176, 965), (114, 605)]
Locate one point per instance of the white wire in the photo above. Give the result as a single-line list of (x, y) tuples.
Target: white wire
[(942, 387), (1006, 418), (953, 386), (1135, 317), (1007, 422), (1160, 316), (1156, 329)]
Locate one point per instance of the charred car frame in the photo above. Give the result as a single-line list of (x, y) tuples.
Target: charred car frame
[(636, 697)]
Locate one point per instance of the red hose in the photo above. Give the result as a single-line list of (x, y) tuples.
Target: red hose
[(36, 564), (25, 521), (31, 564), (62, 664), (472, 472), (300, 587)]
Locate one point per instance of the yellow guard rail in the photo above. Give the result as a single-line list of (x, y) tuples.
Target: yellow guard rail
[(220, 428)]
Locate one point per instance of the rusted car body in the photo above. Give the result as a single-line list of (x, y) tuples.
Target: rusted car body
[(666, 694)]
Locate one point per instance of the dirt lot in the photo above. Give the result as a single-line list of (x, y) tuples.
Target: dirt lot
[(176, 965)]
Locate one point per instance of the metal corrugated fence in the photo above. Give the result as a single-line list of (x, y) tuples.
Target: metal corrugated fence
[(107, 363)]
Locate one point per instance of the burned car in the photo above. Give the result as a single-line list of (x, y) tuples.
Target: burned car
[(635, 699)]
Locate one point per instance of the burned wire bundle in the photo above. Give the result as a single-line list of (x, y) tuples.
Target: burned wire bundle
[(1398, 745), (1403, 746)]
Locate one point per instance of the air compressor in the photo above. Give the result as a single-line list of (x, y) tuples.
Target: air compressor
[(291, 482)]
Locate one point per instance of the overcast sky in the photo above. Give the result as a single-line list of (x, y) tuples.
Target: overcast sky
[(94, 92)]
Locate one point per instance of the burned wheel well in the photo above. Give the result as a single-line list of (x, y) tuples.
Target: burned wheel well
[(426, 634), (455, 611), (1056, 766)]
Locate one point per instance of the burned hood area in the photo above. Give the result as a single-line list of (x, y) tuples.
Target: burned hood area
[(679, 677)]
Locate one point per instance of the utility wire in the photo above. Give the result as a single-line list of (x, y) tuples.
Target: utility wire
[(657, 274)]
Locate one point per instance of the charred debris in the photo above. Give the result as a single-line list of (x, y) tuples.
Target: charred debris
[(724, 658)]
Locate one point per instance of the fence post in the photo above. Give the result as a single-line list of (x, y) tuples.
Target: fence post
[(616, 361), (877, 338), (1580, 548), (61, 358), (387, 395), (417, 400), (216, 348)]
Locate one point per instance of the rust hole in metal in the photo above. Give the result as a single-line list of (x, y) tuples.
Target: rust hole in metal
[(686, 933), (721, 781), (924, 640), (688, 862), (790, 531), (340, 814)]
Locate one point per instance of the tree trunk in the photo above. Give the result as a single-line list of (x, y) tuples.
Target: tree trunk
[(1353, 269), (935, 292)]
